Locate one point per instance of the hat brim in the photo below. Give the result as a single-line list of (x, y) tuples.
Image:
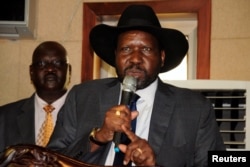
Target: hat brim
[(103, 37)]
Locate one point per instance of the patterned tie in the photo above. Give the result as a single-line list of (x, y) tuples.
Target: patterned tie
[(47, 127), (119, 156)]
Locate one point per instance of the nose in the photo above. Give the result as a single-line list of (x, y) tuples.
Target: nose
[(136, 57), (50, 67)]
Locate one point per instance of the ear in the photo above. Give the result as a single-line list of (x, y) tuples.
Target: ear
[(163, 56), (69, 68), (31, 73), (69, 73)]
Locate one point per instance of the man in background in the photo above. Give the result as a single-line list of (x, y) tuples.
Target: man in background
[(32, 120)]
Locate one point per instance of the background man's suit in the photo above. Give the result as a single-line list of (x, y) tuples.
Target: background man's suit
[(17, 123), (182, 123)]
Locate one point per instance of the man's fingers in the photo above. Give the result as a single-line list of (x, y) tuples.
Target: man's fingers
[(134, 114), (129, 133)]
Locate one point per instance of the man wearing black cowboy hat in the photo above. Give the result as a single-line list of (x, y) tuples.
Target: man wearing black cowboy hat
[(174, 126)]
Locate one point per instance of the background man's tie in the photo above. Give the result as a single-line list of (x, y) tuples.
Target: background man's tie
[(46, 128), (119, 156)]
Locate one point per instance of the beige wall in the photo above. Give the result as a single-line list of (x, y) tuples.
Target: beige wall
[(230, 40), (61, 20)]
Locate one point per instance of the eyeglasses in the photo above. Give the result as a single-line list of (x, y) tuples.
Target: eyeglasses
[(54, 64)]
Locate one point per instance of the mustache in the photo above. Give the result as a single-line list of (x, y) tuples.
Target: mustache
[(50, 75), (134, 67)]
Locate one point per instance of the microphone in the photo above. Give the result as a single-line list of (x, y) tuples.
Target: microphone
[(128, 89)]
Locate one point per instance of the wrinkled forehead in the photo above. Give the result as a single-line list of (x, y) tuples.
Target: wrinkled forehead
[(147, 35)]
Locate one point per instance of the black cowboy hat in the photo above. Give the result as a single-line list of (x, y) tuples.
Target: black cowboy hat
[(103, 37)]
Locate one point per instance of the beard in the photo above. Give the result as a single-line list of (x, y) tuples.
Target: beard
[(142, 81)]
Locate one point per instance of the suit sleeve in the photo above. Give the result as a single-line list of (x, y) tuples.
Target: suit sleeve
[(208, 136), (74, 124), (65, 129), (2, 144)]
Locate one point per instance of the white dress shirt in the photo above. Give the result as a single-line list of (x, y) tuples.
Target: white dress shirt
[(144, 106)]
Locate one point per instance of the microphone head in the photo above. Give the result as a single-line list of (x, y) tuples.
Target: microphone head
[(129, 83)]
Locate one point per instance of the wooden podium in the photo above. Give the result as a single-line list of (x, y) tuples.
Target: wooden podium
[(35, 156)]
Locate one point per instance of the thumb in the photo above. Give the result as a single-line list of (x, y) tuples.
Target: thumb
[(134, 114), (123, 148)]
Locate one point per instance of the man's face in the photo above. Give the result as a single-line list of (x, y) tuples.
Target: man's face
[(49, 72), (138, 55)]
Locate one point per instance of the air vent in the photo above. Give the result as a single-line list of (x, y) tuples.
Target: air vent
[(230, 112), (231, 102)]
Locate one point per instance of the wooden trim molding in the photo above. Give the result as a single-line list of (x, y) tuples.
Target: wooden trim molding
[(92, 11)]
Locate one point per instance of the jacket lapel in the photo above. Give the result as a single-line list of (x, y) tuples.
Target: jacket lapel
[(110, 96), (161, 114), (25, 121)]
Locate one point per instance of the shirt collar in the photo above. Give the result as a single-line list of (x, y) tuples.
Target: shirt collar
[(57, 104), (148, 93)]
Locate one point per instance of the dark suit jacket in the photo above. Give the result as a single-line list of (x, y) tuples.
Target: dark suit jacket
[(182, 130), (17, 123)]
